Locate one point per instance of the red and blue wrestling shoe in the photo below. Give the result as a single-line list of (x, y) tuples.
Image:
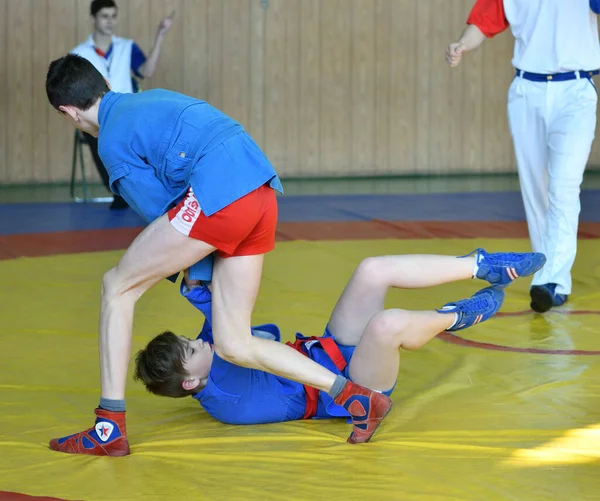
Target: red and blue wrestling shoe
[(107, 437), (476, 309), (501, 268), (367, 409)]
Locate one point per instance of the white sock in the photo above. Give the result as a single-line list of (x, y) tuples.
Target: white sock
[(455, 315), (455, 321), (478, 259)]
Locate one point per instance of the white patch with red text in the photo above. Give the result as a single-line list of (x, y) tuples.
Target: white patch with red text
[(309, 344), (104, 430), (187, 216)]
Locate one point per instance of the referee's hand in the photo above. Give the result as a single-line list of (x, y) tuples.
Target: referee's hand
[(454, 53)]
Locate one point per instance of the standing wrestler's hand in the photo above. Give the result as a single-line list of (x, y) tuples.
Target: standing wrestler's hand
[(454, 53)]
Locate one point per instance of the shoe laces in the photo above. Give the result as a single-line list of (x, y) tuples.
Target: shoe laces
[(508, 258), (480, 303)]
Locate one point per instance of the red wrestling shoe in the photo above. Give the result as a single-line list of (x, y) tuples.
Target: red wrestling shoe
[(107, 438), (367, 409)]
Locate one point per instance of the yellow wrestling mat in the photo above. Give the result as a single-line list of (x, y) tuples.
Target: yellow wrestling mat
[(505, 419)]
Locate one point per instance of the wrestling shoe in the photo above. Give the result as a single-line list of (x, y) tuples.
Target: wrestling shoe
[(106, 438), (501, 268), (476, 309), (367, 409), (545, 297)]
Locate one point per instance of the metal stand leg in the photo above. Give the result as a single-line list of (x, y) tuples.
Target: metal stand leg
[(78, 152)]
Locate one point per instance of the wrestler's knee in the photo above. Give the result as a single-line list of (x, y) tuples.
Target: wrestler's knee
[(370, 270), (387, 328), (237, 351)]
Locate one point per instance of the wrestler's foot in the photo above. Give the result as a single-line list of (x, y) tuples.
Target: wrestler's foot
[(476, 309), (501, 268), (107, 437), (367, 409), (544, 297)]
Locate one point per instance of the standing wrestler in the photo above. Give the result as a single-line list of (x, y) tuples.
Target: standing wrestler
[(552, 115), (204, 186)]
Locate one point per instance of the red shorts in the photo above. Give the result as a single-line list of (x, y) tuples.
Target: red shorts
[(244, 228)]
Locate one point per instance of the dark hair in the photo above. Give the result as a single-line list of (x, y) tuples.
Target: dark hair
[(73, 81), (160, 366), (97, 5)]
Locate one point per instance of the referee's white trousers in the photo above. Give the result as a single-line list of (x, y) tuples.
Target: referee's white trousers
[(552, 125)]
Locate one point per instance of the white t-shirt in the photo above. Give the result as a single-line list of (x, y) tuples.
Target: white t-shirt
[(551, 36), (117, 68)]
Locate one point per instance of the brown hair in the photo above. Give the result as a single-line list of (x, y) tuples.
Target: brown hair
[(160, 366), (98, 5), (73, 81)]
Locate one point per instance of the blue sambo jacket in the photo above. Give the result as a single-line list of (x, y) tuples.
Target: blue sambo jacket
[(158, 143)]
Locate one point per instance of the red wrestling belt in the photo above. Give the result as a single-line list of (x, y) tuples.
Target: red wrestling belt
[(333, 352)]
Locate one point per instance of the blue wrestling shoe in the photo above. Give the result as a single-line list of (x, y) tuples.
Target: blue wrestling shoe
[(478, 308), (501, 268), (545, 297)]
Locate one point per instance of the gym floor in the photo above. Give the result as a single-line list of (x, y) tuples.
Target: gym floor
[(507, 410)]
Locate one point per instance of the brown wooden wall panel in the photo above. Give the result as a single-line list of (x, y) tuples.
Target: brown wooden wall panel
[(467, 94), (216, 33), (406, 86), (437, 136), (326, 87), (235, 70), (169, 73), (256, 51), (4, 125), (39, 104), (497, 75), (335, 86), (195, 47), (276, 104), (20, 89), (382, 90), (362, 88), (291, 80), (62, 37), (309, 158)]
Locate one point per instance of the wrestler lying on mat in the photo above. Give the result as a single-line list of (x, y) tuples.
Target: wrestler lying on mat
[(360, 341)]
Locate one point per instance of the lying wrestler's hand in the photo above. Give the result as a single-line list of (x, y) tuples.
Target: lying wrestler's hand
[(190, 283), (108, 437)]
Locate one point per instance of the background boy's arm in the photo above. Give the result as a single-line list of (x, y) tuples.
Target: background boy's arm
[(148, 68)]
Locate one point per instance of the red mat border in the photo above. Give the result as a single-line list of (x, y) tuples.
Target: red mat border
[(71, 242)]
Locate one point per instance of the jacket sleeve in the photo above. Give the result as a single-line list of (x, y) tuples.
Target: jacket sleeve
[(489, 17), (143, 191)]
